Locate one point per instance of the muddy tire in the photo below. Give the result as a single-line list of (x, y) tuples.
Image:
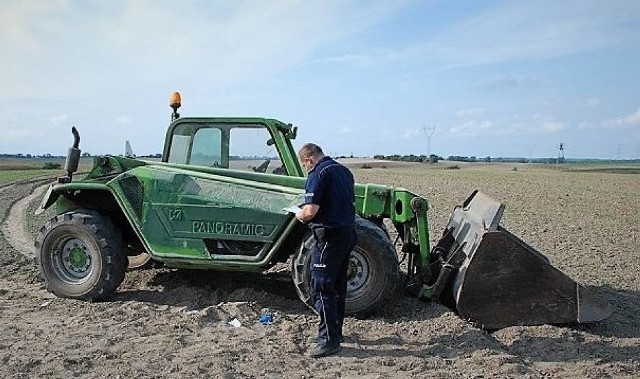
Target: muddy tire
[(373, 271), (80, 256)]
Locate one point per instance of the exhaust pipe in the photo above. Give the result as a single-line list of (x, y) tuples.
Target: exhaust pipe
[(73, 157)]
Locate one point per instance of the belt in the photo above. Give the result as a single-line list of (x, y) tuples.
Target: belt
[(320, 232)]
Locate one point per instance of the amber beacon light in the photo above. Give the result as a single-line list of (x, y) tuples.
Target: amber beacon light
[(175, 102)]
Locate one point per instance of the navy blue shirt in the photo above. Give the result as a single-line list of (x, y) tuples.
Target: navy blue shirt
[(330, 185)]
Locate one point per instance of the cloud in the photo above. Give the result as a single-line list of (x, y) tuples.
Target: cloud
[(516, 31), (592, 102), (411, 133), (59, 119), (584, 125), (7, 116), (106, 47), (471, 112), (374, 57), (126, 120), (552, 126), (539, 30), (97, 56), (515, 127), (624, 122), (360, 60), (473, 128), (16, 27), (512, 81), (22, 133), (546, 124)]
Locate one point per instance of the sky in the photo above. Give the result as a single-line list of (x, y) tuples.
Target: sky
[(470, 78)]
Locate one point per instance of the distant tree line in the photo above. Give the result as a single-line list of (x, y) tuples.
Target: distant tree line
[(459, 158), (409, 158), (250, 158), (49, 156), (29, 156), (40, 156)]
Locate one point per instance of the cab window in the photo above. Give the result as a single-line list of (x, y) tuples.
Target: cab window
[(249, 149), (194, 145), (234, 146), (207, 148)]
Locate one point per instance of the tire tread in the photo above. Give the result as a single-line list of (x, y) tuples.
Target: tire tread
[(106, 236)]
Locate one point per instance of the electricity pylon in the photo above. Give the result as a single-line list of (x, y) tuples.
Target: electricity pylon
[(428, 132)]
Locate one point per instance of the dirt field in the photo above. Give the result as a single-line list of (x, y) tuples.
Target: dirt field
[(165, 323)]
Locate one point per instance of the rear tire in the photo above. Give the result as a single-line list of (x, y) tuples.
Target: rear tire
[(373, 271), (80, 256)]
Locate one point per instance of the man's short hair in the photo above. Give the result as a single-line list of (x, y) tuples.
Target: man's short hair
[(310, 150)]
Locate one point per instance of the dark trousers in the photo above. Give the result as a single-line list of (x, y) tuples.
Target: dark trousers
[(329, 264)]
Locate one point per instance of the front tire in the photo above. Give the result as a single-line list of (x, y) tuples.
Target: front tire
[(373, 274), (80, 256)]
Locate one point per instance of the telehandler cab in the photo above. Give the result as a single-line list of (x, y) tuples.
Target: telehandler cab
[(205, 206)]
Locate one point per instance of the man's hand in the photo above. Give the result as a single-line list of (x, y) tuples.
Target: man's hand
[(307, 213)]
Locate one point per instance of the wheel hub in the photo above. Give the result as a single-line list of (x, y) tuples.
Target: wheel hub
[(357, 272), (75, 258)]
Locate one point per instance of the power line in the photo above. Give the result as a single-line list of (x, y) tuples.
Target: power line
[(428, 132)]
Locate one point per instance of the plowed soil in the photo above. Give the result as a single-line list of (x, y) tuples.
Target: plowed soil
[(169, 323)]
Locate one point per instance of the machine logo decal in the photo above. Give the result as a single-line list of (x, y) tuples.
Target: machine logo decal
[(175, 214), (230, 228)]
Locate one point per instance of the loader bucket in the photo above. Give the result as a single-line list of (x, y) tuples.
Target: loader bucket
[(501, 281)]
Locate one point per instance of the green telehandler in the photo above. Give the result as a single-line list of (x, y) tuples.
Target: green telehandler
[(204, 205)]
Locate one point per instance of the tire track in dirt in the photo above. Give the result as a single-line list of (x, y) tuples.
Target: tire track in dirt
[(7, 187), (37, 179), (14, 225)]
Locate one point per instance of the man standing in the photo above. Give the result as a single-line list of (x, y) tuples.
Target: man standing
[(329, 209)]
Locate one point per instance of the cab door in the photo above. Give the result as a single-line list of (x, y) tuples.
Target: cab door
[(208, 213)]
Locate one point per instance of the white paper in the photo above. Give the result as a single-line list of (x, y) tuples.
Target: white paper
[(292, 209), (235, 323)]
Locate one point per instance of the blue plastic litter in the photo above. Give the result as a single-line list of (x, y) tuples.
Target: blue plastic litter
[(266, 319)]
